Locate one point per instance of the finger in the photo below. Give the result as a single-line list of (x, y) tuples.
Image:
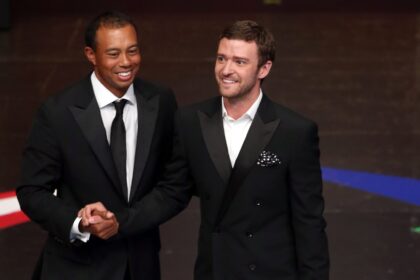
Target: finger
[(101, 226), (85, 223), (90, 208), (106, 229), (98, 206), (81, 214), (109, 232), (106, 233), (85, 216), (96, 219), (104, 214), (114, 230)]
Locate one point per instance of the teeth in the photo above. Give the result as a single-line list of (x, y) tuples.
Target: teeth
[(228, 81), (124, 74)]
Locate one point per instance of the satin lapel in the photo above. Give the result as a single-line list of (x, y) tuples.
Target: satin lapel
[(214, 137), (258, 137), (90, 121), (147, 115)]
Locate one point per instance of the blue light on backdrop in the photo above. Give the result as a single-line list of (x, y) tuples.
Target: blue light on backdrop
[(398, 188)]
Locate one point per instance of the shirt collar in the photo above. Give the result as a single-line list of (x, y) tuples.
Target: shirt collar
[(251, 111), (104, 97)]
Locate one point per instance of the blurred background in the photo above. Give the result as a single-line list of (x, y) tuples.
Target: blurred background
[(352, 66)]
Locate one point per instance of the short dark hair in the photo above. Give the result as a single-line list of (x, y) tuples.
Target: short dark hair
[(250, 31), (110, 19)]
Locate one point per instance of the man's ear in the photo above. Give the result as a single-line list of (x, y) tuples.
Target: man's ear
[(265, 69), (90, 55)]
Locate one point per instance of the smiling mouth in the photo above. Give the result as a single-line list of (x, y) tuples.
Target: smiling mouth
[(124, 74), (228, 81)]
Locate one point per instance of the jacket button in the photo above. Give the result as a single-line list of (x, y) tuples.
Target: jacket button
[(252, 267), (249, 234), (258, 203)]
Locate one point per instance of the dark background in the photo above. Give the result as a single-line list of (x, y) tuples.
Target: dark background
[(352, 66)]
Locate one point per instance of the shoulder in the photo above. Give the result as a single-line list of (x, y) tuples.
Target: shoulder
[(293, 119), (72, 94), (208, 107), (150, 89)]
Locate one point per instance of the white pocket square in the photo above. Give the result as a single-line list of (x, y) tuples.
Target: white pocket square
[(268, 159)]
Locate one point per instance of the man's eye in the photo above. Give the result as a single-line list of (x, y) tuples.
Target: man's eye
[(133, 52), (113, 54), (220, 58), (240, 62)]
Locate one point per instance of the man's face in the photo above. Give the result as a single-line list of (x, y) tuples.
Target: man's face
[(116, 59), (237, 72)]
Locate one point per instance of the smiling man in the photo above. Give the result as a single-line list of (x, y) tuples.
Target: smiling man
[(88, 145), (254, 165)]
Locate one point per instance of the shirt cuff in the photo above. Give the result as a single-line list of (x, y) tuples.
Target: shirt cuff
[(76, 234)]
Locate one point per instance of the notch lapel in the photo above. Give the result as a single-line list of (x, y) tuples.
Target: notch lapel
[(259, 135), (147, 110), (214, 137)]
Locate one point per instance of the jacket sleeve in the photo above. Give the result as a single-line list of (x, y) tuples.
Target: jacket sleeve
[(307, 207), (40, 176), (171, 195)]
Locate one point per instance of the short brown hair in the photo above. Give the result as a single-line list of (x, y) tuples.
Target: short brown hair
[(250, 31)]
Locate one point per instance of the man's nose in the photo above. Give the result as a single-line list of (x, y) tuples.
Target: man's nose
[(125, 60), (227, 68)]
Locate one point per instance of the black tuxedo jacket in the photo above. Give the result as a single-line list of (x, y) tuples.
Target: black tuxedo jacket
[(261, 219), (67, 151)]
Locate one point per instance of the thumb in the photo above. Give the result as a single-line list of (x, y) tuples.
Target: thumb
[(109, 214)]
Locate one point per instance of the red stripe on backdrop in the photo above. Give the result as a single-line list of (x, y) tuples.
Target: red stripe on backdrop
[(13, 219), (7, 194)]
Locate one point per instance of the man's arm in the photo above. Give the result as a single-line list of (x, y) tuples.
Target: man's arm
[(307, 208), (171, 195), (41, 173)]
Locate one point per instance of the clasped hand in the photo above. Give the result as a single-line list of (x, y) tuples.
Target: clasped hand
[(97, 220)]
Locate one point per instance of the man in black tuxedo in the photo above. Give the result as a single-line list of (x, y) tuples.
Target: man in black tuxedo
[(254, 165), (106, 138)]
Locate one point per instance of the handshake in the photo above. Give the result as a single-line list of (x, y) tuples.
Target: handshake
[(97, 220)]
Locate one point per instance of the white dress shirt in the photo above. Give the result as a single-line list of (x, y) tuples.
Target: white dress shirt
[(105, 100), (236, 130)]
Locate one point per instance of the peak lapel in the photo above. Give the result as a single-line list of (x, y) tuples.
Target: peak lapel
[(90, 122), (259, 135), (214, 137), (147, 109)]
